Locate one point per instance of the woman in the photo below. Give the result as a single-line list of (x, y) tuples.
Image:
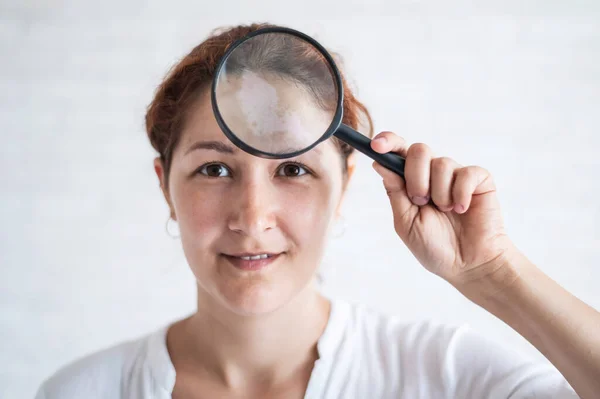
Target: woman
[(262, 329)]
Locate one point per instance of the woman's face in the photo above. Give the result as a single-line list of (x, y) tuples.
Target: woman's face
[(230, 205)]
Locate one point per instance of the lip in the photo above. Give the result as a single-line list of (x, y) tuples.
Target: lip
[(252, 264)]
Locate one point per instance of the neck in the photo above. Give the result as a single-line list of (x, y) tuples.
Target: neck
[(240, 350)]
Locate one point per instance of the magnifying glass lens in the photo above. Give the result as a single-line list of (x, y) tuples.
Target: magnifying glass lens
[(276, 93)]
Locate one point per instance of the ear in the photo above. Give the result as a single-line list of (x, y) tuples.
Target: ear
[(351, 165), (350, 168), (160, 173)]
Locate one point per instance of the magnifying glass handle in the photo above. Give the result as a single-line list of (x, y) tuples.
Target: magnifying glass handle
[(392, 161)]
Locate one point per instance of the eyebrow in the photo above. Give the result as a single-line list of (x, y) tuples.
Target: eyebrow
[(211, 145)]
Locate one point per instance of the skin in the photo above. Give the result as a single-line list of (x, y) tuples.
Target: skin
[(255, 333)]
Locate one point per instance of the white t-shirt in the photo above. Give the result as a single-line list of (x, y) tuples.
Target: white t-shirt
[(362, 354)]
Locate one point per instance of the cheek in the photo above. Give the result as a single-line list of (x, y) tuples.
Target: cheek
[(200, 212), (307, 211)]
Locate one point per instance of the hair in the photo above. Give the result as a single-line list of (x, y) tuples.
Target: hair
[(290, 59), (167, 113)]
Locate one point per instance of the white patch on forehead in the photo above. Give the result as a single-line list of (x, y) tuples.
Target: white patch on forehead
[(263, 109), (275, 114)]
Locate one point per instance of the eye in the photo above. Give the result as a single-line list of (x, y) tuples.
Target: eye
[(292, 169), (214, 170)]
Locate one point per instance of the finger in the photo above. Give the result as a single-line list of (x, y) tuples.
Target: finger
[(402, 207), (442, 179), (417, 172), (470, 180), (386, 142)]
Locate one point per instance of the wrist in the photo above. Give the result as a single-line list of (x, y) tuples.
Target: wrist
[(496, 278)]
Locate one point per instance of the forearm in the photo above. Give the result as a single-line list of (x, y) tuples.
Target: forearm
[(563, 328)]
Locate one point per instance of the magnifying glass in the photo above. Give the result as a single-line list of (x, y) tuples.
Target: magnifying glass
[(277, 93)]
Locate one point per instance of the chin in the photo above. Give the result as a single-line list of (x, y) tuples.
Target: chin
[(254, 298), (253, 293), (257, 300)]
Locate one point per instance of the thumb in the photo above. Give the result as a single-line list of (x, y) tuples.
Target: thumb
[(402, 207)]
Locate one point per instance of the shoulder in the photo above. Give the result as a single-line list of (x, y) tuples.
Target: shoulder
[(99, 374), (370, 329), (439, 359)]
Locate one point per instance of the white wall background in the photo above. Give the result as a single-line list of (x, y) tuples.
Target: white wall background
[(513, 86)]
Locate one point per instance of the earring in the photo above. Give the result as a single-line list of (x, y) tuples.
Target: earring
[(172, 228), (340, 227)]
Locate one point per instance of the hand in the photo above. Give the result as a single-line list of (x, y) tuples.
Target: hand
[(447, 215)]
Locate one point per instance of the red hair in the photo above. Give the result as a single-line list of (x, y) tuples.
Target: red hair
[(167, 112)]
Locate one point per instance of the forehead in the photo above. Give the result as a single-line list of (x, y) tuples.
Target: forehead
[(271, 112), (201, 124)]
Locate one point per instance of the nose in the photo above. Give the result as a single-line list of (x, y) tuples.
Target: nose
[(254, 208)]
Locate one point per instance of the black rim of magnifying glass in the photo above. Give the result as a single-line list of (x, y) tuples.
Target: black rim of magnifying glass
[(335, 123)]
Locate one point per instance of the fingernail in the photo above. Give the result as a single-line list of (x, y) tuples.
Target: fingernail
[(458, 208), (420, 200), (381, 139)]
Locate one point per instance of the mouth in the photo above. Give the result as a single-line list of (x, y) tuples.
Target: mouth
[(254, 256), (252, 261)]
